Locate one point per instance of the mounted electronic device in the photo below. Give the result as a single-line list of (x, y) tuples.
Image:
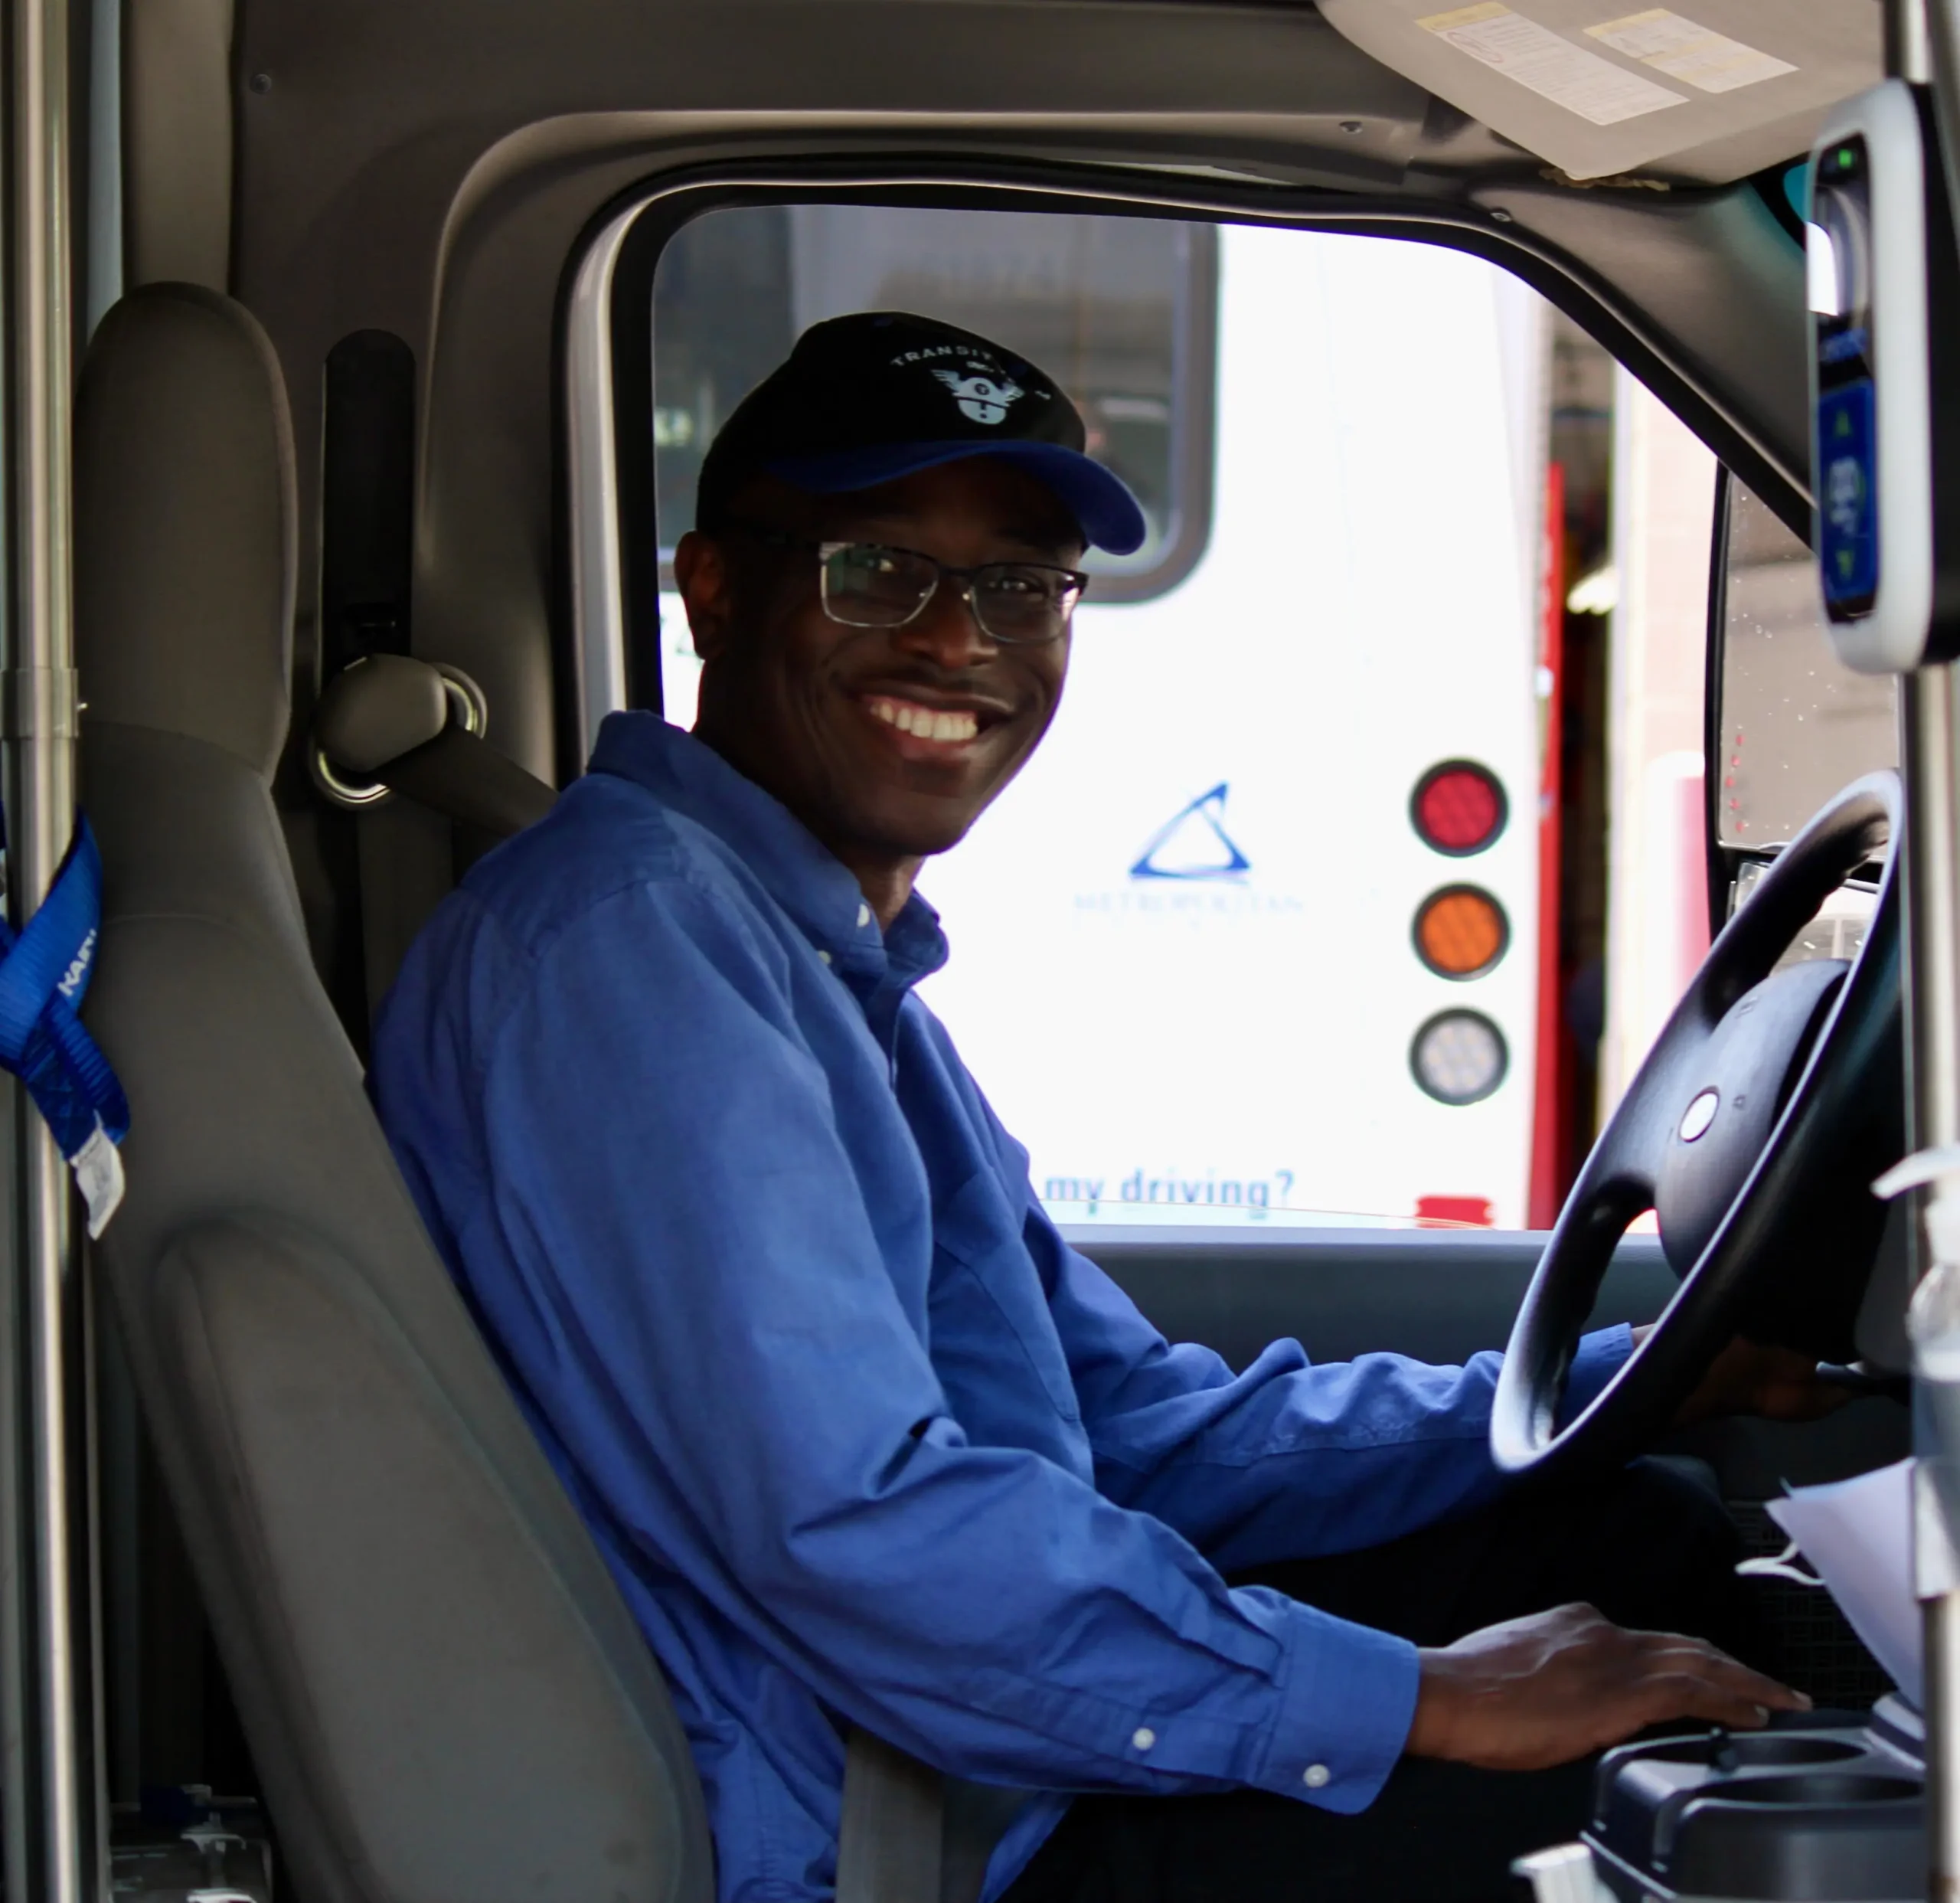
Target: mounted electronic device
[(1882, 282)]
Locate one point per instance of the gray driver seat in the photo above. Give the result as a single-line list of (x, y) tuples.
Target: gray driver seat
[(444, 1695)]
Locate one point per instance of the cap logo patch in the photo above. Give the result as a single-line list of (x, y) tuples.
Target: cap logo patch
[(981, 398)]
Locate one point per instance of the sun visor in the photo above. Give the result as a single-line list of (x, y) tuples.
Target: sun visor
[(1702, 97)]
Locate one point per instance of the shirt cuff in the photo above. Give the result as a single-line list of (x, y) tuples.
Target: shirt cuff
[(1346, 1707), (1600, 1356)]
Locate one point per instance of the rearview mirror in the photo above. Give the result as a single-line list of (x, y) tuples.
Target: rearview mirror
[(1788, 723)]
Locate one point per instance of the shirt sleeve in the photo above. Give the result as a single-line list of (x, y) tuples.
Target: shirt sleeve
[(1286, 1460), (692, 1294)]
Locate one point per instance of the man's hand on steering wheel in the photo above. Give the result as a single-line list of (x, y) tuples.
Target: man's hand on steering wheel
[(1772, 1384)]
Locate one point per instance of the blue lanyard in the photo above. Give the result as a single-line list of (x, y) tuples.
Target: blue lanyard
[(44, 972)]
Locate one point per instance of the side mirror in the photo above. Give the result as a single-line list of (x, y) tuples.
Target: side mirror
[(1788, 723)]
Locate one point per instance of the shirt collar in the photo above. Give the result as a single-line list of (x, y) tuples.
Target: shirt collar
[(807, 882)]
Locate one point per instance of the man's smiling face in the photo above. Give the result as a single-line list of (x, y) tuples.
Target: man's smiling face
[(887, 743)]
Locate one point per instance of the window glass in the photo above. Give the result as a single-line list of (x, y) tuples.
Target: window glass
[(1797, 724), (1117, 310), (1255, 938), (724, 316), (1656, 817)]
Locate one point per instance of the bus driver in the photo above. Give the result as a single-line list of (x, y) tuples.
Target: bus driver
[(863, 1439)]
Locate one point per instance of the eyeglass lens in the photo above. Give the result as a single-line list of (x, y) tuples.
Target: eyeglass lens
[(872, 587)]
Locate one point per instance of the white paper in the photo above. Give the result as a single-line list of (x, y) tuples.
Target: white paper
[(98, 1167), (1711, 61), (1552, 67), (1858, 1535)]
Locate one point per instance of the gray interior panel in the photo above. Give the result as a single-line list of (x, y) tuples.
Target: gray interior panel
[(177, 135)]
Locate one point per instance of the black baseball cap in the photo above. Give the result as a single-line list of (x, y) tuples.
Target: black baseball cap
[(867, 398)]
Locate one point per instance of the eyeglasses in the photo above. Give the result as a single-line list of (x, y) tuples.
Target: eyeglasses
[(865, 585)]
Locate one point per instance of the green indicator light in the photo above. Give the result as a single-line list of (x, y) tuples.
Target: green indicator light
[(1844, 157)]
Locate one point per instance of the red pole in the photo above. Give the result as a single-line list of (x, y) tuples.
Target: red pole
[(1548, 1106)]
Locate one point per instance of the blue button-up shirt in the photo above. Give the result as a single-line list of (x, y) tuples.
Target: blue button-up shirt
[(863, 1440)]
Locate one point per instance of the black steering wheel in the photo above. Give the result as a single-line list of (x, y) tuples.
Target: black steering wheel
[(1753, 1130)]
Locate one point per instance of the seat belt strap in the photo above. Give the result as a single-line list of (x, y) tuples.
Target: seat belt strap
[(890, 1843), (44, 972)]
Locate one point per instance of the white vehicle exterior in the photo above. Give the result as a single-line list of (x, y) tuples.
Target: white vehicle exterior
[(1183, 965)]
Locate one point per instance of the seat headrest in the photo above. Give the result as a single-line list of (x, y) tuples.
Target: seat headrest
[(184, 514)]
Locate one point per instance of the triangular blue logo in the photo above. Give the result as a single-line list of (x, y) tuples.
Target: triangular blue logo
[(1194, 845)]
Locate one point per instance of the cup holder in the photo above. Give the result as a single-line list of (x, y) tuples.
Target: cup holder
[(1818, 1811), (1816, 1788), (1752, 1751), (1789, 1750)]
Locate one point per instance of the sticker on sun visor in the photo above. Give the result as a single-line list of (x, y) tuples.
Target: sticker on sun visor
[(1711, 61), (1553, 68)]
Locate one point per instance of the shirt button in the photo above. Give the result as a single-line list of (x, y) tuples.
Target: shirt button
[(863, 914), (1315, 1776), (825, 956), (1143, 1737)]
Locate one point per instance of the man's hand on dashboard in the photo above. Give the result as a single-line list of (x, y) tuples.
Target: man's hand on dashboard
[(1773, 1384), (1542, 1691)]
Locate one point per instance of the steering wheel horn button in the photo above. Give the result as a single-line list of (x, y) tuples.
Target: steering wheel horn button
[(1699, 1114)]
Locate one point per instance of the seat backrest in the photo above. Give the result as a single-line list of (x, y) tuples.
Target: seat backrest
[(444, 1693)]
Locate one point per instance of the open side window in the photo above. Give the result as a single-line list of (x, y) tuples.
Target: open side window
[(1256, 940), (1301, 913)]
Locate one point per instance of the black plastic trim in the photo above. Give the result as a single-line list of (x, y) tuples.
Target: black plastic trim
[(632, 320), (366, 498), (1723, 862)]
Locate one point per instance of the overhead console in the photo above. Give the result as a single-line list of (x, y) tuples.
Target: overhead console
[(1702, 97)]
